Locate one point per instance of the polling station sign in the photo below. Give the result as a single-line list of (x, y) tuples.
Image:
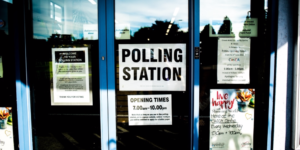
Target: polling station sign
[(152, 67)]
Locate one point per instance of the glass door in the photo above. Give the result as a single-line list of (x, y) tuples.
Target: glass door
[(234, 74), (147, 54), (64, 74), (151, 64)]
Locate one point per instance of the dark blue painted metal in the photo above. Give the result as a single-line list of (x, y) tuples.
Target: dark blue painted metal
[(21, 80), (273, 22), (102, 73), (196, 83), (190, 62), (111, 73)]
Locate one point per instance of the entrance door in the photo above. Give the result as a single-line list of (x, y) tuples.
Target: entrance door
[(151, 53), (144, 57), (234, 76), (63, 64)]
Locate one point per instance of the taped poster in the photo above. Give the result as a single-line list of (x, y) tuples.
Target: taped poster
[(231, 119), (71, 83), (152, 67), (233, 61), (150, 109), (6, 129), (122, 31)]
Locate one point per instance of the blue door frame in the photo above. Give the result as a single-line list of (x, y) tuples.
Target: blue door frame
[(194, 24), (107, 80)]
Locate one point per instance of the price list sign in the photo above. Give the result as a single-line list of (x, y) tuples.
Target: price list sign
[(150, 110), (233, 61)]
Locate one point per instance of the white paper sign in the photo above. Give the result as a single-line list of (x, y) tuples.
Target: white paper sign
[(6, 129), (231, 119), (1, 67), (90, 31), (150, 109), (233, 61), (70, 77), (250, 28), (152, 67), (122, 31)]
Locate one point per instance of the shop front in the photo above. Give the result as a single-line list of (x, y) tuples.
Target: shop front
[(159, 74)]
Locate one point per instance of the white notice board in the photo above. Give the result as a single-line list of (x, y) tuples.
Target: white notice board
[(70, 84), (233, 61)]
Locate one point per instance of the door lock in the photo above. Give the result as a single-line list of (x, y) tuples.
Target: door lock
[(197, 52)]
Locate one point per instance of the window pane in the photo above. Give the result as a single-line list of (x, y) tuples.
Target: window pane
[(156, 30), (74, 17)]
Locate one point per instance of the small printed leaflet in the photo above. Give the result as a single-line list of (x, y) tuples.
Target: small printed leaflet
[(6, 129), (231, 119), (152, 67), (122, 31), (249, 28), (71, 81), (150, 109), (233, 61)]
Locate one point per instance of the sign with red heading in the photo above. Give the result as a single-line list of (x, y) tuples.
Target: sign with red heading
[(6, 129), (231, 119)]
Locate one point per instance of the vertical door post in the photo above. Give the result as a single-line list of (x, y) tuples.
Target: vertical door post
[(102, 74), (196, 83), (194, 71), (21, 76), (110, 8)]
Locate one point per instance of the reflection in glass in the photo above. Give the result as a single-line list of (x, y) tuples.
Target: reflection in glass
[(74, 17), (223, 17), (144, 13), (9, 1)]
